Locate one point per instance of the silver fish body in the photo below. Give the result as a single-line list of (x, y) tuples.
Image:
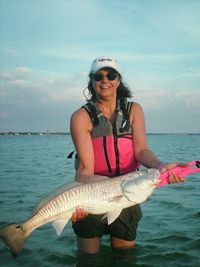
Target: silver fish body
[(106, 196)]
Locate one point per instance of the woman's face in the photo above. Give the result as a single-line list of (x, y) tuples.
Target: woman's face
[(105, 83)]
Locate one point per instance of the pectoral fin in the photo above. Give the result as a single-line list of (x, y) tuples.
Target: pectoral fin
[(59, 225), (116, 199), (111, 216)]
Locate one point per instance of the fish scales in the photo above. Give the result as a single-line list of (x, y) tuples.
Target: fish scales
[(81, 196)]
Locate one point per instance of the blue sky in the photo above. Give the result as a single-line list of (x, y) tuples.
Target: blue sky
[(47, 47)]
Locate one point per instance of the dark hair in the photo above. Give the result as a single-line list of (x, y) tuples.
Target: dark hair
[(123, 92)]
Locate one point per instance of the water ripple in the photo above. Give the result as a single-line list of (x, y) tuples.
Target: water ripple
[(168, 234)]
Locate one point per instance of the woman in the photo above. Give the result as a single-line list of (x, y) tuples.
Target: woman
[(110, 138)]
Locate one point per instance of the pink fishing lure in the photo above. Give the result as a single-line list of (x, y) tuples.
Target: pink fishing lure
[(192, 167)]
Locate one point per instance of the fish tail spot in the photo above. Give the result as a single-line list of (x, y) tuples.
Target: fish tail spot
[(14, 237)]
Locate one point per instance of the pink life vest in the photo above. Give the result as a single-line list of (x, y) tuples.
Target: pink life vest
[(113, 144)]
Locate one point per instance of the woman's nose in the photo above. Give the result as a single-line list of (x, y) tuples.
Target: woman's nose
[(104, 79)]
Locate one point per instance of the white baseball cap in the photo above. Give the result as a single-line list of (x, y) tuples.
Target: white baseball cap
[(105, 62)]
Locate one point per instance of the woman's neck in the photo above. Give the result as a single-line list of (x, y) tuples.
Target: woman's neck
[(108, 108)]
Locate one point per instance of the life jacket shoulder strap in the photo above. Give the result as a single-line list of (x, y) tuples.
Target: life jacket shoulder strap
[(129, 106), (126, 117), (92, 112)]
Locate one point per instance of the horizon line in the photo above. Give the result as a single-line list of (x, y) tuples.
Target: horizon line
[(68, 133)]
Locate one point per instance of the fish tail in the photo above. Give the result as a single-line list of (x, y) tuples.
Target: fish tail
[(14, 237)]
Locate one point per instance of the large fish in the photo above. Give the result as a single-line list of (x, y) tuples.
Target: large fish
[(106, 196)]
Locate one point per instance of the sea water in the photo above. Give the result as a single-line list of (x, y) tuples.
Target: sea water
[(168, 235)]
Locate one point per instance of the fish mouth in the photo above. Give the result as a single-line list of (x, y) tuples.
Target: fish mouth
[(156, 181)]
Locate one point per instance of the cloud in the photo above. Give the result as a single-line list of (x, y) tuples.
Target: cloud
[(42, 87), (191, 100), (161, 57), (50, 98), (162, 100), (12, 75), (42, 101), (73, 52), (6, 75), (157, 45), (19, 83), (170, 111), (23, 70), (152, 89), (11, 51)]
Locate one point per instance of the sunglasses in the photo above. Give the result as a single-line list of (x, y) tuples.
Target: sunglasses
[(111, 76)]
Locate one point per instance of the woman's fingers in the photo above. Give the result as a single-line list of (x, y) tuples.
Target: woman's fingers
[(173, 178), (79, 215)]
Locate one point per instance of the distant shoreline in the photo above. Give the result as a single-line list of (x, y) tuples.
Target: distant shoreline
[(67, 133), (34, 133)]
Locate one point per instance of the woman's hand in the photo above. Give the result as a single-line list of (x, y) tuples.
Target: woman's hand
[(79, 215), (173, 178)]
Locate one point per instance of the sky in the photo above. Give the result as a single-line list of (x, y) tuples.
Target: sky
[(47, 47)]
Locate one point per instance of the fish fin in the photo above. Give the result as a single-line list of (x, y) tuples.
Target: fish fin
[(14, 237), (111, 216), (116, 199), (59, 225)]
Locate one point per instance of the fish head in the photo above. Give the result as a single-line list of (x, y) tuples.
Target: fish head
[(138, 189)]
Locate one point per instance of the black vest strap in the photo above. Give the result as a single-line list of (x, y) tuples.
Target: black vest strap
[(71, 155), (126, 122), (92, 112)]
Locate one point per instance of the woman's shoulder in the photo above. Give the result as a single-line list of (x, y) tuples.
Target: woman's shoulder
[(80, 116), (136, 107), (79, 113), (136, 112)]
